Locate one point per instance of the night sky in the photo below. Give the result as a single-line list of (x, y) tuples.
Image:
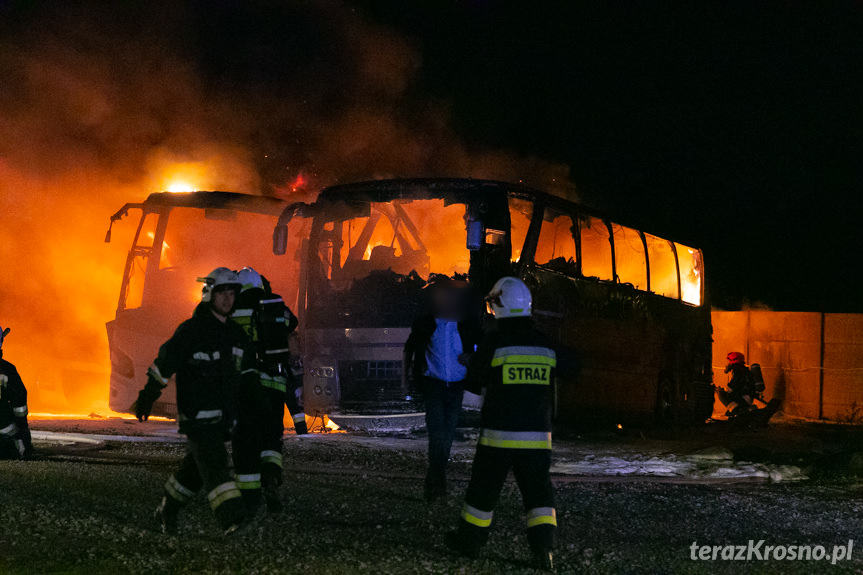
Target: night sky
[(736, 127)]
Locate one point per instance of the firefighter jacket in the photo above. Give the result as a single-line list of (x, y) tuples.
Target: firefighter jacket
[(207, 356), (13, 400), (742, 382), (268, 324), (420, 338), (517, 366)]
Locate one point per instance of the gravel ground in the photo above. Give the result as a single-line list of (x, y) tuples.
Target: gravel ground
[(355, 507)]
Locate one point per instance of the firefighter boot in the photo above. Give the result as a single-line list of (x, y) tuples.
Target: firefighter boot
[(543, 559), (271, 495), (253, 502), (456, 542), (166, 515)]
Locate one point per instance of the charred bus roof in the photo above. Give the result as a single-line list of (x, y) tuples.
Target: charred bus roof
[(211, 200)]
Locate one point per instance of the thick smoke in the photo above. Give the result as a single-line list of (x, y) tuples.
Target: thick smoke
[(104, 103)]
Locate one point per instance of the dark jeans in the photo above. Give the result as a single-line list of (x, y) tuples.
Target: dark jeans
[(443, 405)]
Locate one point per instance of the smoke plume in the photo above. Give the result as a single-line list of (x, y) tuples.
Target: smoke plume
[(104, 103)]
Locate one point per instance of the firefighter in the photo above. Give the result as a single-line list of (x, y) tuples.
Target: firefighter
[(741, 389), (268, 386), (438, 349), (15, 439), (516, 365), (207, 355)]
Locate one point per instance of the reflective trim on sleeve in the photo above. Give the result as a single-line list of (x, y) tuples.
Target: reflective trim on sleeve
[(515, 439), (275, 351), (8, 430), (524, 354), (222, 493), (209, 414), (299, 418), (249, 481), (476, 516), (20, 411), (177, 490), (541, 516), (242, 313), (269, 301), (154, 372), (279, 384), (270, 456)]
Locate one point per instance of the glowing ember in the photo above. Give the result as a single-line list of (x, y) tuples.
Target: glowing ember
[(179, 187)]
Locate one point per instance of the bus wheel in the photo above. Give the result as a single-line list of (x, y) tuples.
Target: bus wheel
[(664, 401)]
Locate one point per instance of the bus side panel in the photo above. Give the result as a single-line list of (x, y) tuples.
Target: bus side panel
[(638, 355)]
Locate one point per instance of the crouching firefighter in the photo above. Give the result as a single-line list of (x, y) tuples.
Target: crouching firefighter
[(15, 440), (207, 355), (741, 388), (267, 387), (516, 365)]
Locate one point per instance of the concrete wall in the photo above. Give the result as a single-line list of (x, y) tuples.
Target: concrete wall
[(813, 362)]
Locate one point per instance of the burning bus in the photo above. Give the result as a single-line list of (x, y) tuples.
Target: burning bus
[(179, 237), (629, 304)]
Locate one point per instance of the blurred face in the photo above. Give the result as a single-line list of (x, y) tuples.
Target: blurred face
[(448, 303), (222, 301)]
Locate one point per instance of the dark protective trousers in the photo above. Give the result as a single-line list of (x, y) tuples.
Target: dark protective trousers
[(443, 405), (490, 469), (257, 443), (206, 465)]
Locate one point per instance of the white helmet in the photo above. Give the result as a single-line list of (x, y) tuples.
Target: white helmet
[(509, 297), (218, 277), (250, 279)]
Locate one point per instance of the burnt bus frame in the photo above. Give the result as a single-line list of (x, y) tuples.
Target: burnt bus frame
[(683, 380)]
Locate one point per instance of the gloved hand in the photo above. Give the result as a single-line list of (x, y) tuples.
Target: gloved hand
[(146, 398)]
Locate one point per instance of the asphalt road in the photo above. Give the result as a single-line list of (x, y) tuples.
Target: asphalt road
[(354, 506)]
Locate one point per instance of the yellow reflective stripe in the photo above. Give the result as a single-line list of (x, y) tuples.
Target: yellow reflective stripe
[(533, 359), (277, 383), (476, 516), (249, 481), (270, 456), (523, 354), (541, 516), (177, 490), (222, 493), (515, 439)]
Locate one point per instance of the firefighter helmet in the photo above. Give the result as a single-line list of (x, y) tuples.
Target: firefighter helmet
[(509, 297), (216, 278), (250, 279), (736, 357)]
